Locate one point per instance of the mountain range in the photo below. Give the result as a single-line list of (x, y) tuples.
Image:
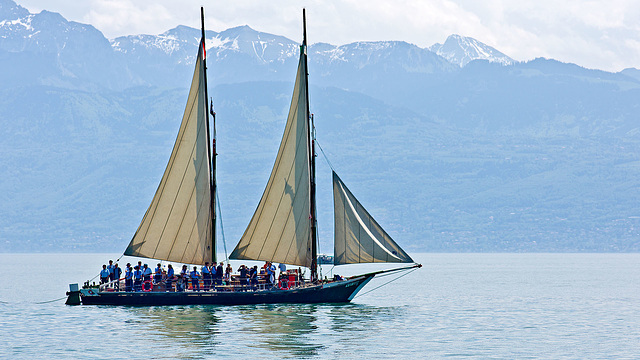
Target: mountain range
[(455, 147)]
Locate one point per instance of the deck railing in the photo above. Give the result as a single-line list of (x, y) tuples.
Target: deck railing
[(236, 284)]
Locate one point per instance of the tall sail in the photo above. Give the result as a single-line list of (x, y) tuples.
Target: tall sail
[(178, 224), (280, 228), (358, 237)]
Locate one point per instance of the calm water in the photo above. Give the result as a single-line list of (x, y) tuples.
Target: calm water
[(484, 306)]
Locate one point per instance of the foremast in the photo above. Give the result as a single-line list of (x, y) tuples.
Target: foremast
[(212, 148)]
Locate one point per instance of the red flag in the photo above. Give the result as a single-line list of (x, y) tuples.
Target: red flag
[(204, 51)]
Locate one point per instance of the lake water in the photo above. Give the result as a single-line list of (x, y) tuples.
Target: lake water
[(459, 306)]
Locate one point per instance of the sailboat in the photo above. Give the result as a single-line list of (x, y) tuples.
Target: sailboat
[(179, 225)]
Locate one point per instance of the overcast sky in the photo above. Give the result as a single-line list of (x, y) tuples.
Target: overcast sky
[(594, 34)]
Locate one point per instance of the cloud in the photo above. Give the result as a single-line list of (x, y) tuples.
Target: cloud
[(120, 17)]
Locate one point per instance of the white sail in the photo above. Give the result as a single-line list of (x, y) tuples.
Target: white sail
[(177, 225), (358, 237), (279, 230)]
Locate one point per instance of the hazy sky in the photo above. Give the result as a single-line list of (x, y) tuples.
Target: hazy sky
[(594, 34)]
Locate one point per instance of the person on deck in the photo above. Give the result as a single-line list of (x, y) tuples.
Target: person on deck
[(253, 276), (169, 280), (195, 279), (283, 268), (117, 271), (110, 268), (300, 277), (227, 274), (214, 276), (146, 272), (146, 275), (104, 275), (271, 273), (183, 283), (219, 273), (157, 275), (206, 277), (244, 275), (128, 278), (137, 279)]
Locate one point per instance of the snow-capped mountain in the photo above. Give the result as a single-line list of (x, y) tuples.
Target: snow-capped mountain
[(77, 55), (47, 49), (178, 43), (10, 11), (408, 57), (461, 50), (45, 32)]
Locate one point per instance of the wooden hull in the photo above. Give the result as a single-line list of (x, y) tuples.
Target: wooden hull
[(333, 292)]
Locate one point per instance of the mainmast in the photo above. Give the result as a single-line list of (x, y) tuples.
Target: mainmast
[(211, 149), (312, 158)]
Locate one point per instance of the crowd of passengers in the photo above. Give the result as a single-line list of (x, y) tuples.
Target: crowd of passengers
[(215, 277)]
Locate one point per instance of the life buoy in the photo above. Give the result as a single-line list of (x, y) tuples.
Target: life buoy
[(144, 288), (284, 284)]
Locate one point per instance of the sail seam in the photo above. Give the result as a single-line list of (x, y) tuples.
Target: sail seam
[(298, 222), (261, 205), (298, 183), (264, 241), (163, 184), (195, 223), (199, 243), (182, 181)]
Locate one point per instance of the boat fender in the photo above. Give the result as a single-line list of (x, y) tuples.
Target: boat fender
[(144, 287)]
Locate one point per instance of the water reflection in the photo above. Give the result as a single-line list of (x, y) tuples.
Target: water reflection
[(360, 317), (184, 331), (286, 329), (283, 330)]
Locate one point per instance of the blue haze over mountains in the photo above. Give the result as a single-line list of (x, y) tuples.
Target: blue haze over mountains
[(452, 148)]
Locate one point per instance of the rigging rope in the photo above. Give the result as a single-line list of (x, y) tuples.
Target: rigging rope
[(388, 282), (331, 270), (325, 156), (224, 242), (44, 302), (331, 166), (93, 278)]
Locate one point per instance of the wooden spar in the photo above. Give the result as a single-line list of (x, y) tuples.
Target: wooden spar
[(211, 149), (312, 160)]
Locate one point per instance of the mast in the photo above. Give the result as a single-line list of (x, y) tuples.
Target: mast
[(312, 160), (211, 149)]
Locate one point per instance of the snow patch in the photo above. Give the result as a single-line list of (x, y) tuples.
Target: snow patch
[(23, 22), (461, 50)]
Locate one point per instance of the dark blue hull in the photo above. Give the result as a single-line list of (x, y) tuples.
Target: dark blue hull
[(333, 292)]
